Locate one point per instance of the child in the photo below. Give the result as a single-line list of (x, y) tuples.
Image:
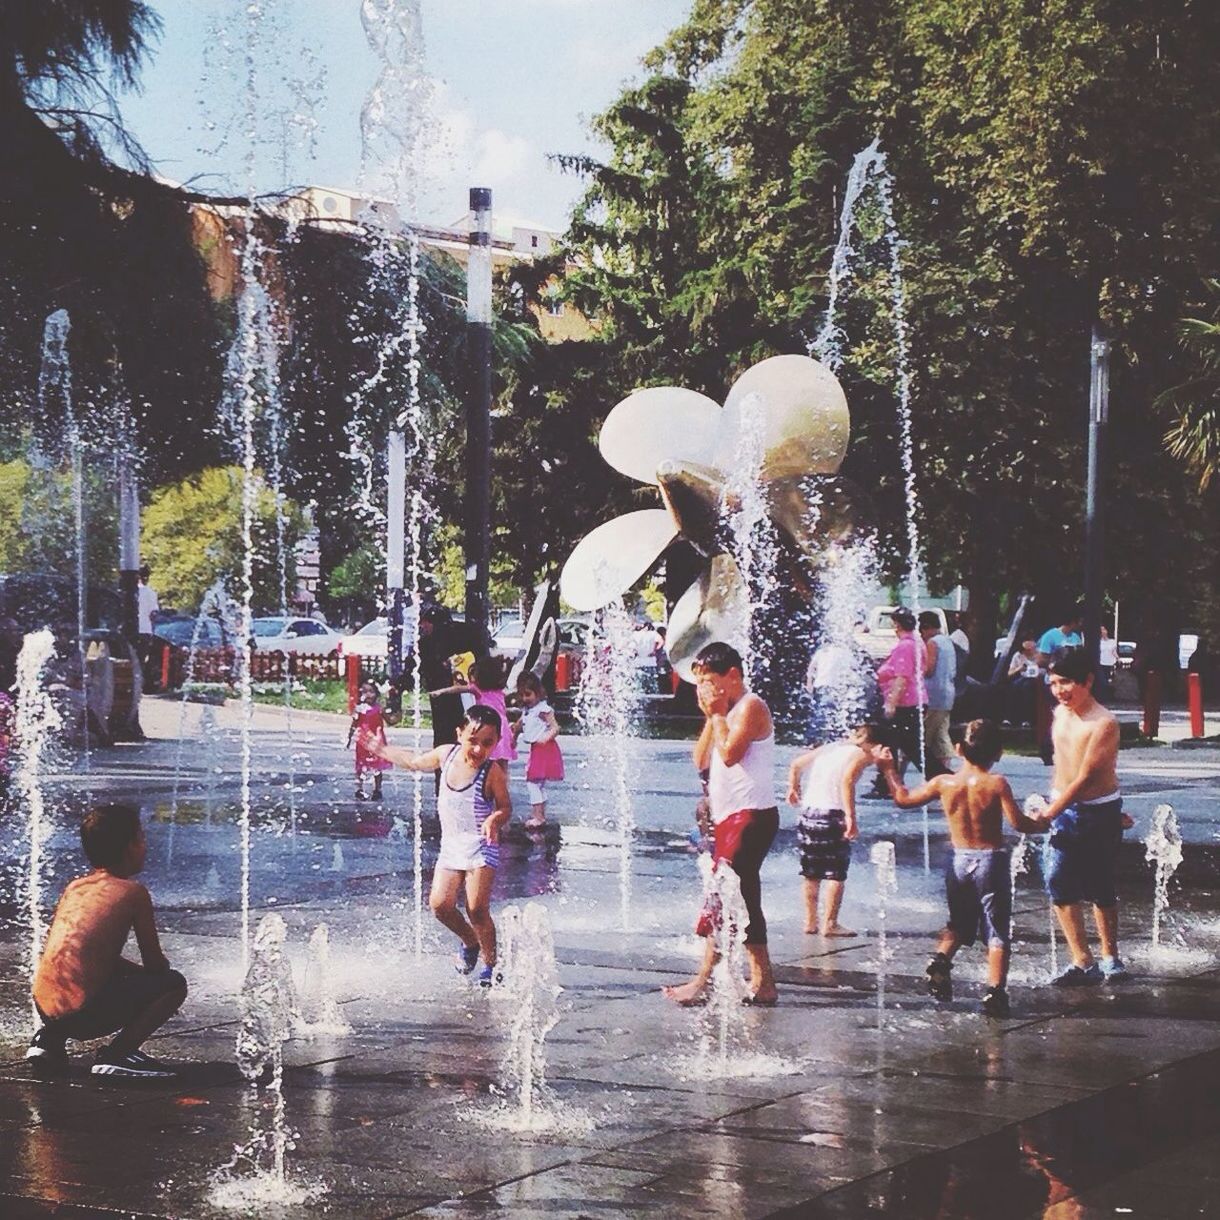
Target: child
[(827, 823), (978, 879), (473, 806), (368, 722), (486, 683), (538, 729), (84, 988)]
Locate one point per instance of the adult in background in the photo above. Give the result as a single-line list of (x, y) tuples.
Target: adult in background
[(1052, 643), (737, 747), (149, 646), (441, 636), (941, 674), (1024, 680), (903, 680)]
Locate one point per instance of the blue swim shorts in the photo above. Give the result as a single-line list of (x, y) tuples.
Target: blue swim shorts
[(978, 884), (1080, 859)]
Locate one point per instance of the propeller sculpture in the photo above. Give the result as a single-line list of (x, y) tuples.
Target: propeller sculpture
[(688, 446)]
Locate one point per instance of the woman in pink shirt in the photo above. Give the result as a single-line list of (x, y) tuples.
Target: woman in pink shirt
[(902, 685)]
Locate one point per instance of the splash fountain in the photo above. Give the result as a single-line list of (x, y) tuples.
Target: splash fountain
[(1163, 850)]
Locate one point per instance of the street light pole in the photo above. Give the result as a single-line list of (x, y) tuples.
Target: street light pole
[(1094, 519), (478, 409), (395, 561), (129, 546)]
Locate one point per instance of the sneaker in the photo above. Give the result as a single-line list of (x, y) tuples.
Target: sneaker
[(133, 1066), (940, 977), (490, 976), (1076, 976), (1113, 970), (467, 959), (995, 1002), (47, 1055)]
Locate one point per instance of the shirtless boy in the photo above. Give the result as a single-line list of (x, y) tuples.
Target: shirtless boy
[(84, 988), (1086, 821), (978, 880), (737, 746)]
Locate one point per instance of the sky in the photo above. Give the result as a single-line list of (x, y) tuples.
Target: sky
[(510, 81)]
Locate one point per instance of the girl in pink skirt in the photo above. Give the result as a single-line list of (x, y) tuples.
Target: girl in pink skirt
[(538, 729), (486, 683)]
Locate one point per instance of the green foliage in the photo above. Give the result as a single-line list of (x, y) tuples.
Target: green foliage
[(1194, 436), (1054, 164), (38, 518), (192, 538)]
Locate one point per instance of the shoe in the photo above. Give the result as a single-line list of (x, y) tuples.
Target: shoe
[(1075, 976), (1113, 970), (490, 976), (995, 1002), (134, 1066), (467, 959), (940, 977), (47, 1055), (361, 797), (376, 795)]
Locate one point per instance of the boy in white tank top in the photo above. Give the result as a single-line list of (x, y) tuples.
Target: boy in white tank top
[(823, 781), (737, 746)]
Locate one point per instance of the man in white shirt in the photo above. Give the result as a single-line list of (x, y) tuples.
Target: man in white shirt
[(147, 604)]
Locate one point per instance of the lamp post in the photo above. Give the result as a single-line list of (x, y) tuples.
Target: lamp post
[(1094, 518), (129, 546), (478, 409), (395, 565)]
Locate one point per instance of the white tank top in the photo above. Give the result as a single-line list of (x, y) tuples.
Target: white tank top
[(748, 784), (823, 783)]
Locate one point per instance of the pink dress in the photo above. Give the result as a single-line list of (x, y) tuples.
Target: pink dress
[(370, 719), (495, 699), (546, 760)]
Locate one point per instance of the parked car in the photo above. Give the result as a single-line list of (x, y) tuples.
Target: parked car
[(373, 638), (509, 636), (877, 637), (180, 631), (302, 636)]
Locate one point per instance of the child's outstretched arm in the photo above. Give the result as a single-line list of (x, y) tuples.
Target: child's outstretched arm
[(904, 797), (458, 688), (496, 787), (1015, 815), (408, 760)]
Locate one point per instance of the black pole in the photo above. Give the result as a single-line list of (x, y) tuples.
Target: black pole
[(478, 409), (1094, 520)]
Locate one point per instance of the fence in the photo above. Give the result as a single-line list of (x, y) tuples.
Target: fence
[(220, 665)]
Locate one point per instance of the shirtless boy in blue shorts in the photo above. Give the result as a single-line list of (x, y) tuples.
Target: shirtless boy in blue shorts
[(978, 879), (1086, 821)]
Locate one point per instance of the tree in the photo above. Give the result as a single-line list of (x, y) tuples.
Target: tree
[(1053, 164), (1194, 436), (192, 538)]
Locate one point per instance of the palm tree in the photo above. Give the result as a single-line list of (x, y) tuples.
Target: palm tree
[(60, 59), (1195, 434)]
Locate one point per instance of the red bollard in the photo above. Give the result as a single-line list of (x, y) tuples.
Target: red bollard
[(563, 678), (1151, 725), (353, 682), (165, 656), (1194, 700)]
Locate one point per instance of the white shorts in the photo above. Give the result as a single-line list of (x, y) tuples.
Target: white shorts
[(464, 853), (537, 791)]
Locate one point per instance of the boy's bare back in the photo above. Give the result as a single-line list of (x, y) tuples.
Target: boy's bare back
[(85, 944), (974, 804)]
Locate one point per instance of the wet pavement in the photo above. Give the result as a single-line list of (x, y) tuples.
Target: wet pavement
[(1090, 1104)]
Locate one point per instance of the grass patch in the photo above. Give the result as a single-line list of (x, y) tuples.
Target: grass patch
[(319, 695)]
